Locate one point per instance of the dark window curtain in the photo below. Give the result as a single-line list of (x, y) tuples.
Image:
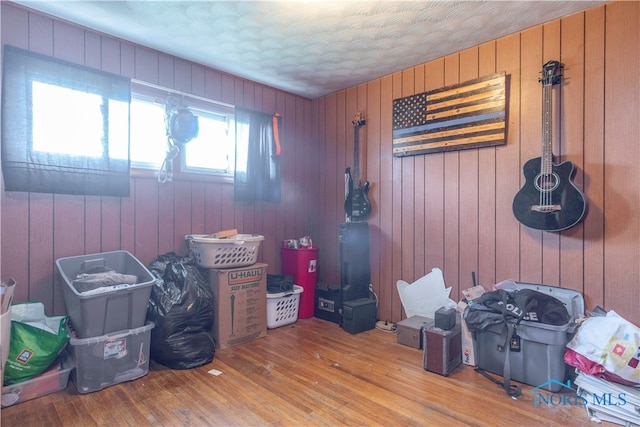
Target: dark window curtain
[(257, 172), (26, 168)]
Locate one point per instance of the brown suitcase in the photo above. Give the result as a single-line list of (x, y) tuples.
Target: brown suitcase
[(442, 349)]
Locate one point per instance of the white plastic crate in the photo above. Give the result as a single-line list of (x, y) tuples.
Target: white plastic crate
[(282, 307), (235, 251)]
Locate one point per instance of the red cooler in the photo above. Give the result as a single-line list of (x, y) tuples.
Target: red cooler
[(302, 265)]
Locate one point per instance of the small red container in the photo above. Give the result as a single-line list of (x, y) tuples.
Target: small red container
[(302, 265)]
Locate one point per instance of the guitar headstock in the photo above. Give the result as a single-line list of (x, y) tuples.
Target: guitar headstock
[(550, 73), (358, 119)]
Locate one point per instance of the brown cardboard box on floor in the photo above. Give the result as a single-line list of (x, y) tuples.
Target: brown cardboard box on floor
[(239, 304)]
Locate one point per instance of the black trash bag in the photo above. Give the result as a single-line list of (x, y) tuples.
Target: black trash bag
[(181, 307)]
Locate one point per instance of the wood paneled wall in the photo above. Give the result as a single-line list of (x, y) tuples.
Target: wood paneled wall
[(453, 210), (37, 229), (449, 210)]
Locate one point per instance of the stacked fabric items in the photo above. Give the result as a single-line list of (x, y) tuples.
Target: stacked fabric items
[(606, 354), (609, 401), (100, 279)]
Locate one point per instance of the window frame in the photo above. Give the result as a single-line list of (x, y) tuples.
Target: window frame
[(230, 123), (146, 91)]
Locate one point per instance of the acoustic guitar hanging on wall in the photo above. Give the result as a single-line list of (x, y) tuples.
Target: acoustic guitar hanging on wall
[(549, 200), (356, 204)]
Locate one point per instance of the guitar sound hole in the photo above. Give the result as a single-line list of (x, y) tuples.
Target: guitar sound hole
[(547, 183)]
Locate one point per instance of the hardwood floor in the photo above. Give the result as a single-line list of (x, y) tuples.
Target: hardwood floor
[(307, 373)]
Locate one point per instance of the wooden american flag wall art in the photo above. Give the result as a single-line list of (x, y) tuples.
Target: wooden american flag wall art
[(466, 115)]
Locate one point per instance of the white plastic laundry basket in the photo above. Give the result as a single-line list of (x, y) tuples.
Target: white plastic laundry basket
[(282, 307), (234, 251)]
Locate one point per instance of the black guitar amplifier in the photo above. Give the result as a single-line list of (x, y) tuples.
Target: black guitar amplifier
[(328, 303)]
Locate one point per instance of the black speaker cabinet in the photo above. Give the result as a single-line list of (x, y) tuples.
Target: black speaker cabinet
[(355, 270)]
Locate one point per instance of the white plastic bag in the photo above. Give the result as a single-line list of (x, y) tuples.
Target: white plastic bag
[(612, 342)]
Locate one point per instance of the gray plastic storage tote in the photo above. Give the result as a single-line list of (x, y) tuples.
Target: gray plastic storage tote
[(539, 359), (110, 308)]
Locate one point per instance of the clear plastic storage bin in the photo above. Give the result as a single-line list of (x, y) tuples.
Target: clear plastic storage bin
[(53, 379), (110, 359)]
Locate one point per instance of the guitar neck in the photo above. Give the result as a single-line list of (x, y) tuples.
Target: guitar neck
[(549, 78), (356, 155), (547, 129), (357, 124)]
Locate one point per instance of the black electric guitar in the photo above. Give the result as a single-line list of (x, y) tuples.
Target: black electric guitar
[(356, 204), (548, 200)]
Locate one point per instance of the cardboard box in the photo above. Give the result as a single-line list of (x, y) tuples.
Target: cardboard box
[(469, 347), (5, 339), (239, 304)]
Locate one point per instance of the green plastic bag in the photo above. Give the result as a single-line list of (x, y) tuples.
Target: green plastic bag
[(36, 341)]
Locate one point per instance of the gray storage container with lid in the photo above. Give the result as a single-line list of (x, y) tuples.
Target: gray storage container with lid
[(540, 361)]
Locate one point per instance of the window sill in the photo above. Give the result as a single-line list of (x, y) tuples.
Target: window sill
[(183, 176)]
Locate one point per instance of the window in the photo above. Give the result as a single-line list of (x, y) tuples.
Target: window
[(70, 129), (211, 152), (148, 134), (77, 123), (65, 127), (214, 148)]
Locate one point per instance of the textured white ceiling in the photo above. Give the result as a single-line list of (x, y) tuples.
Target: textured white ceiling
[(309, 47)]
